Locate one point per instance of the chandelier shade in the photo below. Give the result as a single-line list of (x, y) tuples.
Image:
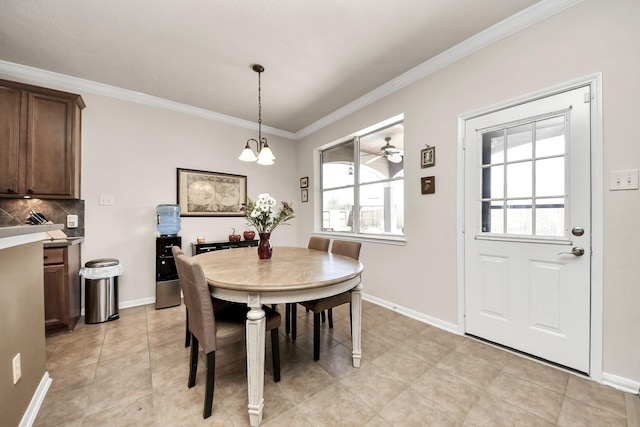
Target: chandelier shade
[(263, 154)]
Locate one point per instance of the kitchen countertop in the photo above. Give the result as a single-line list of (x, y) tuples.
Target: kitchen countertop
[(20, 230), (60, 243)]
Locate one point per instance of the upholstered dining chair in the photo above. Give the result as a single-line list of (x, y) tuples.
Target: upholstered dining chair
[(212, 328), (318, 244), (339, 247)]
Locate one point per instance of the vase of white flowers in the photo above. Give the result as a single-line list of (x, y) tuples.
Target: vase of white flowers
[(262, 214)]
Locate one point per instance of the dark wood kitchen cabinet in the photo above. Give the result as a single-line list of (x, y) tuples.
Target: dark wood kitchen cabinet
[(39, 142), (61, 288)]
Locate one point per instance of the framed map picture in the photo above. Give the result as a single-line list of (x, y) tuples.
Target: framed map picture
[(202, 193)]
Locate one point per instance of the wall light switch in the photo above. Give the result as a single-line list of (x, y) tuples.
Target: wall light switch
[(106, 199), (72, 221), (623, 180)]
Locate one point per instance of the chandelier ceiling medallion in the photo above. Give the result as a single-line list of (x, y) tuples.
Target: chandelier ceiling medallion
[(264, 156)]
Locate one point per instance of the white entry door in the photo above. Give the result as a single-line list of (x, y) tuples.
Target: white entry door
[(527, 227)]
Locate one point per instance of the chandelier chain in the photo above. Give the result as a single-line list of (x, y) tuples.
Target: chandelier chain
[(259, 108)]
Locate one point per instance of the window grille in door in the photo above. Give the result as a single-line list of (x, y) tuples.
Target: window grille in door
[(523, 167)]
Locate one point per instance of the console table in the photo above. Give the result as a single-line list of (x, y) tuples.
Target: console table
[(200, 248)]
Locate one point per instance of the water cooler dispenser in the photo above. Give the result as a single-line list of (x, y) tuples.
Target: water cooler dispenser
[(167, 283)]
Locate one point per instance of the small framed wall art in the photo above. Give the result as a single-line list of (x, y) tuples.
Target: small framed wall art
[(304, 195), (428, 157), (428, 184), (304, 182)]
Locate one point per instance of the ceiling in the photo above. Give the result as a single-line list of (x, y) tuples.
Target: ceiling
[(319, 55)]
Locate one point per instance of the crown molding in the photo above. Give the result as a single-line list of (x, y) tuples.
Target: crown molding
[(493, 34), (37, 76), (513, 24)]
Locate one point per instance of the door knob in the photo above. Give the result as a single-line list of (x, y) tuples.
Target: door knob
[(574, 251)]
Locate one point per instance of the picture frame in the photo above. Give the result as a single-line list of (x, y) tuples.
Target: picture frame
[(210, 194), (304, 195), (428, 157), (428, 184), (304, 182)]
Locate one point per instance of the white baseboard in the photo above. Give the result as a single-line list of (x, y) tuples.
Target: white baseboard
[(623, 384), (31, 413), (438, 323), (137, 302)]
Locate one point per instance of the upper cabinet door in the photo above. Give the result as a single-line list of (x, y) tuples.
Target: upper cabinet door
[(39, 142), (50, 148), (11, 107)]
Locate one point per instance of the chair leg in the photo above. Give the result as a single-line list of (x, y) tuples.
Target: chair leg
[(316, 336), (193, 362), (208, 394), (330, 316), (187, 338), (294, 321), (287, 318), (275, 354)]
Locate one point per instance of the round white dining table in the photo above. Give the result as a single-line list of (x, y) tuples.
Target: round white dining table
[(291, 275)]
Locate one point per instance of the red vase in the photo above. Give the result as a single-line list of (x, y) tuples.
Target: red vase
[(264, 246)]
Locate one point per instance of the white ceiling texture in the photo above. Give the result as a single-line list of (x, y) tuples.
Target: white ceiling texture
[(319, 55)]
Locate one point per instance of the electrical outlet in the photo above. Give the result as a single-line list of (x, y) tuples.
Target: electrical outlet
[(17, 368), (72, 221)]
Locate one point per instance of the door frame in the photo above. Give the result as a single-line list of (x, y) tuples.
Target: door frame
[(597, 206)]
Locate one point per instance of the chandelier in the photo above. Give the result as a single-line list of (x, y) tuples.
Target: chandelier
[(264, 156)]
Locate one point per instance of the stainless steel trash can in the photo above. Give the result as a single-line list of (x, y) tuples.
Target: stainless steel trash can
[(101, 289)]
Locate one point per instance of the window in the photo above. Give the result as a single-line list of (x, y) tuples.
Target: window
[(363, 183), (523, 179)]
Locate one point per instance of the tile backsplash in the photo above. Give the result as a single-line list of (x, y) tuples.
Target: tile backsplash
[(15, 212)]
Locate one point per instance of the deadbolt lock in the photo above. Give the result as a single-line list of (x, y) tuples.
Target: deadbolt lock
[(577, 231)]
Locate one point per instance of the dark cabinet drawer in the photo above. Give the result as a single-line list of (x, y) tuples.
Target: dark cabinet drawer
[(54, 256)]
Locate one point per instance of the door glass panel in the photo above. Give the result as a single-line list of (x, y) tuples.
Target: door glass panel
[(519, 180), (493, 147), (519, 217), (493, 182), (550, 217), (519, 143), (493, 217), (550, 177), (550, 139), (508, 198)]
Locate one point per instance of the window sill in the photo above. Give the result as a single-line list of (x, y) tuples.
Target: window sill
[(372, 238)]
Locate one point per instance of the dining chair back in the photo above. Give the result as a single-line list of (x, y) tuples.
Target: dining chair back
[(339, 247), (213, 329), (318, 244), (346, 248)]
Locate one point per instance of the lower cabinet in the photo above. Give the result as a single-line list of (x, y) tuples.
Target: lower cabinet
[(61, 288)]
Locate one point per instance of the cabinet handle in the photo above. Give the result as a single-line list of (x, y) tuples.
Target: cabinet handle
[(45, 257), (30, 191), (10, 190)]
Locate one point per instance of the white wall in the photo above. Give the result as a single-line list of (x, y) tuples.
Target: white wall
[(132, 151), (593, 36)]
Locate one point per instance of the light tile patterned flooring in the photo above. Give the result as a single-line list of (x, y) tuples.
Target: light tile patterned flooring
[(133, 372)]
